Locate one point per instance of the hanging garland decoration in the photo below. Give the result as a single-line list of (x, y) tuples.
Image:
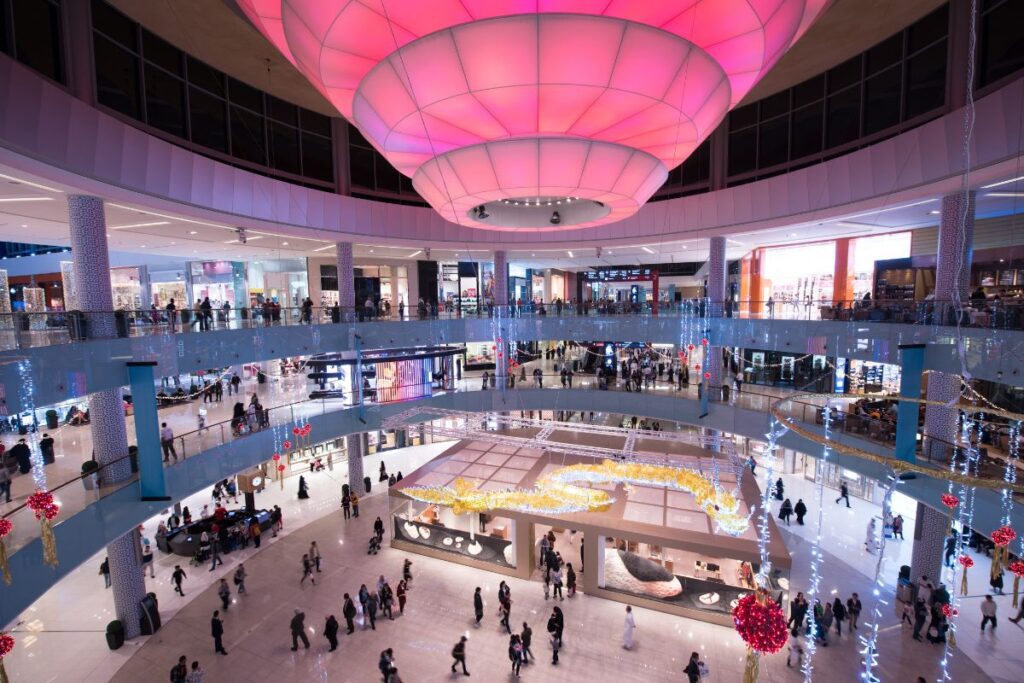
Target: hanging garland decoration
[(949, 611), (1001, 538), (762, 626), (1017, 569), (6, 645), (966, 561), (6, 527), (46, 509)]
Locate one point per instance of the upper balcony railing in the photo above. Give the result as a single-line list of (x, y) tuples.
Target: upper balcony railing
[(849, 426), (21, 330)]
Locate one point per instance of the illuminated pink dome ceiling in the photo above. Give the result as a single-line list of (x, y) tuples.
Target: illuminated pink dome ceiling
[(504, 111)]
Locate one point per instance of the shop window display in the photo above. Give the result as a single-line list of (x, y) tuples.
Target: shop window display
[(437, 527)]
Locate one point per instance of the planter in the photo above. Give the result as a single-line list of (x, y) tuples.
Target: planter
[(52, 421)]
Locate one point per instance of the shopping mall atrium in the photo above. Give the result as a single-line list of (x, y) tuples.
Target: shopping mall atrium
[(564, 340)]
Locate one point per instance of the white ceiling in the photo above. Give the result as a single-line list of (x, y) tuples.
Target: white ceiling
[(35, 211)]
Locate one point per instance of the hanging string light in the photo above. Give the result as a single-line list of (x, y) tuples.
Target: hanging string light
[(28, 388), (814, 582), (869, 640)]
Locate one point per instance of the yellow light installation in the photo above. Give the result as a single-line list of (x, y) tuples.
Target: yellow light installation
[(556, 492)]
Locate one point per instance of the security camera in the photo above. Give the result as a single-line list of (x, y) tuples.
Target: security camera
[(241, 235), (555, 218)]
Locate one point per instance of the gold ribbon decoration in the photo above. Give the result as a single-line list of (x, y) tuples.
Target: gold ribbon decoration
[(4, 568), (49, 542), (752, 666), (1016, 590)]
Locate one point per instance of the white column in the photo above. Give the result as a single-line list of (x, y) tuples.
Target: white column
[(106, 410), (716, 297)]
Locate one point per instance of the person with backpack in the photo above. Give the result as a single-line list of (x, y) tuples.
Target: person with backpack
[(515, 653)]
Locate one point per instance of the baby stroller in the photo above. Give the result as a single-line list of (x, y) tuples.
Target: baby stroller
[(374, 547)]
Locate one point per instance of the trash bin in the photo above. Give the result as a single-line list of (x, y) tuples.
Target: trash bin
[(121, 323), (77, 326), (725, 393), (115, 634), (366, 483), (133, 457), (52, 421), (89, 474)]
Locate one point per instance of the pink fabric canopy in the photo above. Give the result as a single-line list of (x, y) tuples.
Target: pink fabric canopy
[(479, 100)]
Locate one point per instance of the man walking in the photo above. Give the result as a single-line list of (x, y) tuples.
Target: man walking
[(348, 611), (526, 637), (478, 606), (844, 492), (167, 442), (800, 509), (225, 594), (177, 577), (298, 627), (215, 548), (988, 612), (314, 556), (459, 655), (180, 671), (307, 570), (217, 631)]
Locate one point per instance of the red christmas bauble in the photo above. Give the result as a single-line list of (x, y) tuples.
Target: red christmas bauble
[(296, 431), (707, 375), (6, 644), (287, 445), (966, 561), (949, 500), (761, 626), (276, 457), (1003, 536), (280, 468)]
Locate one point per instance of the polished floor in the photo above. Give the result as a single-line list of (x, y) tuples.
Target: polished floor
[(70, 618)]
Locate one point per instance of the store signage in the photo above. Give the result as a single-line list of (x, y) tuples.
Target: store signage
[(619, 274)]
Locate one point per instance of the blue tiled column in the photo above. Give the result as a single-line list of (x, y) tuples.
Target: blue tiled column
[(147, 430), (911, 368)]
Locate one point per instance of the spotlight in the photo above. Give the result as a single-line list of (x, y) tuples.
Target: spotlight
[(555, 218), (481, 213)]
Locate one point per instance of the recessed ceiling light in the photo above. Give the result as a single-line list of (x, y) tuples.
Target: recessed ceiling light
[(23, 225), (934, 213), (284, 244), (173, 218), (984, 187), (173, 243), (415, 254), (793, 234), (26, 199), (30, 183), (139, 225), (143, 246), (990, 194), (648, 250), (570, 254), (193, 232), (371, 251)]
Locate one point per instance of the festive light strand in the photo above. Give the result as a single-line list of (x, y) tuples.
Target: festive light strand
[(814, 582), (869, 640)]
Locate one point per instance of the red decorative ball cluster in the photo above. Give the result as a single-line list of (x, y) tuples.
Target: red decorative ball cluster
[(286, 445), (1003, 536), (966, 561), (949, 500), (949, 611), (301, 431), (276, 457), (704, 342), (6, 644), (6, 527), (280, 468), (1017, 568), (761, 626), (691, 347), (42, 504), (707, 375)]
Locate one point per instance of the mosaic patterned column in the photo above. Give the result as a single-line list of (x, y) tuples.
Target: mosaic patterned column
[(354, 449), (346, 279), (500, 278), (716, 296), (67, 278), (106, 409), (6, 321), (929, 544), (952, 280)]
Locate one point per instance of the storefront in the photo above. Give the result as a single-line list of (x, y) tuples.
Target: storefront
[(284, 281), (479, 356), (866, 377), (220, 281), (774, 368), (126, 288)]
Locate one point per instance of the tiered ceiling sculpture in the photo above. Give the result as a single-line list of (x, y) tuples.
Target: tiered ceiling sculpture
[(579, 107)]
